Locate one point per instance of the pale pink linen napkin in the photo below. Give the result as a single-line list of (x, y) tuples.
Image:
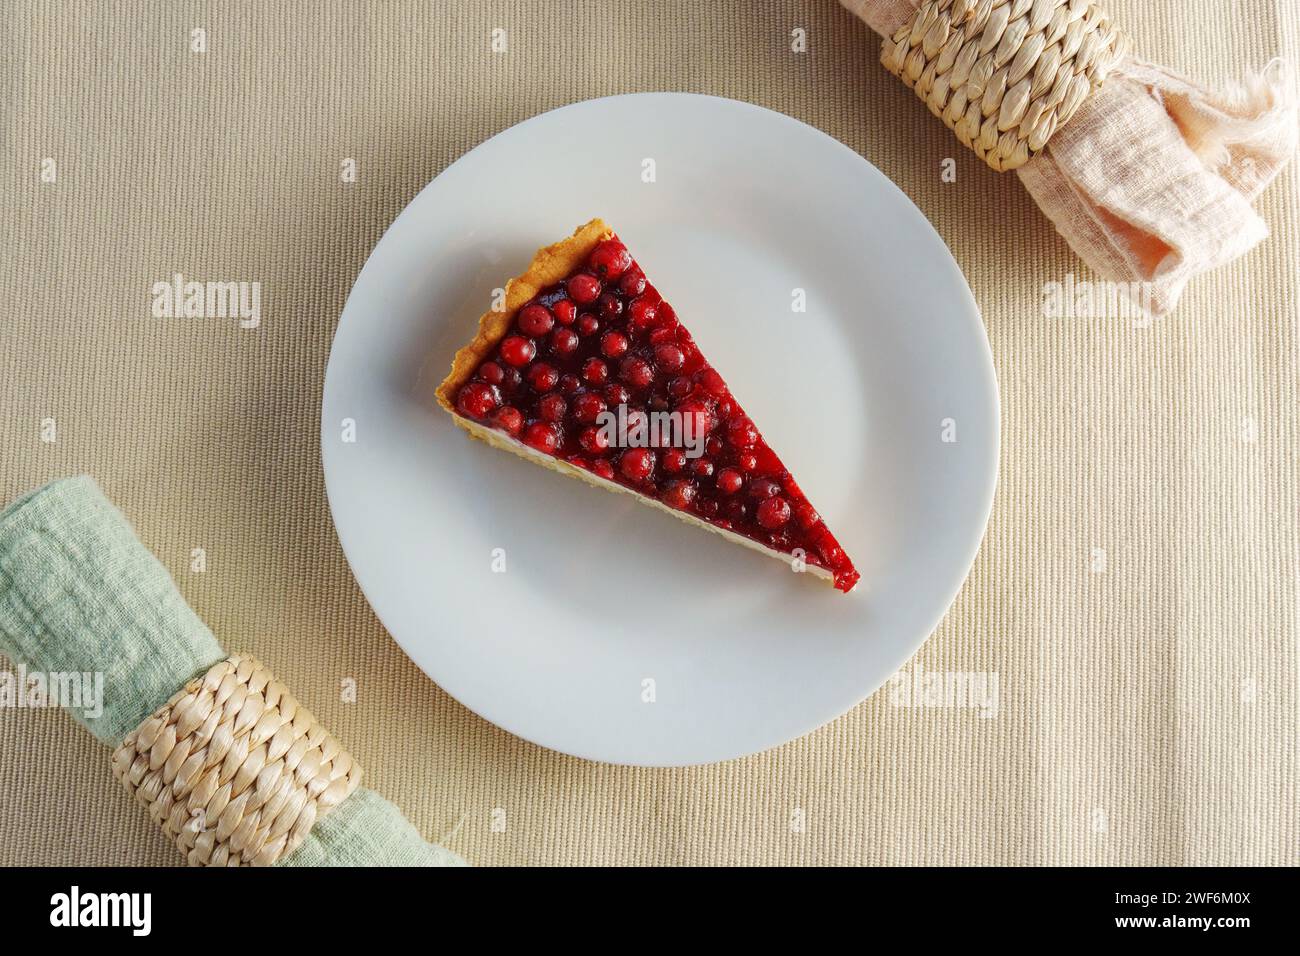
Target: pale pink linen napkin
[(1151, 181)]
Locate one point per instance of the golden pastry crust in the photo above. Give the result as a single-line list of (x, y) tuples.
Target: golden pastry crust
[(550, 264)]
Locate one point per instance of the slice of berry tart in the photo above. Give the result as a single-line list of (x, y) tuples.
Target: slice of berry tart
[(588, 371)]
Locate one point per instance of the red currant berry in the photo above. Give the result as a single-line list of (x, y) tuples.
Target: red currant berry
[(552, 407), (491, 372), (729, 481), (674, 460), (831, 553), (637, 464), (535, 320), (517, 350), (613, 344), (593, 440), (735, 510), (641, 312), (610, 259), (584, 288), (700, 417), (611, 307), (805, 515), (543, 377), (587, 406), (564, 341), (595, 371), (588, 325), (476, 399), (669, 358), (565, 311), (508, 419), (637, 372), (742, 433), (780, 540), (542, 436), (632, 283), (709, 379), (773, 513), (679, 494), (638, 422)]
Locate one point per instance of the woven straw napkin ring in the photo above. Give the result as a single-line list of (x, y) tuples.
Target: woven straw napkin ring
[(1004, 75), (233, 769)]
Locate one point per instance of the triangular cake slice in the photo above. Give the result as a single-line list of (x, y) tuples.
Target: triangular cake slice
[(584, 344)]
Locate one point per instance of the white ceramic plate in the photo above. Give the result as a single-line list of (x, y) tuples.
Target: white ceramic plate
[(616, 633)]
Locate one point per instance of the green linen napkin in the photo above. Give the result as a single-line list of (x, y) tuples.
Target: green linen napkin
[(80, 594)]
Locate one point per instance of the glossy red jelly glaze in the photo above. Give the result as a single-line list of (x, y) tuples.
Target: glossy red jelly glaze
[(630, 346)]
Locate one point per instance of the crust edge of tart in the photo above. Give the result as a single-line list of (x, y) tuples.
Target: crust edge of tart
[(504, 442), (550, 264)]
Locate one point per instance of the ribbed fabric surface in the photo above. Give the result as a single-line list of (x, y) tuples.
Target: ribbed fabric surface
[(1136, 594)]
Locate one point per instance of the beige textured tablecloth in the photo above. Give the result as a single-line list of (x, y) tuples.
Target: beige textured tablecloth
[(1136, 594)]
